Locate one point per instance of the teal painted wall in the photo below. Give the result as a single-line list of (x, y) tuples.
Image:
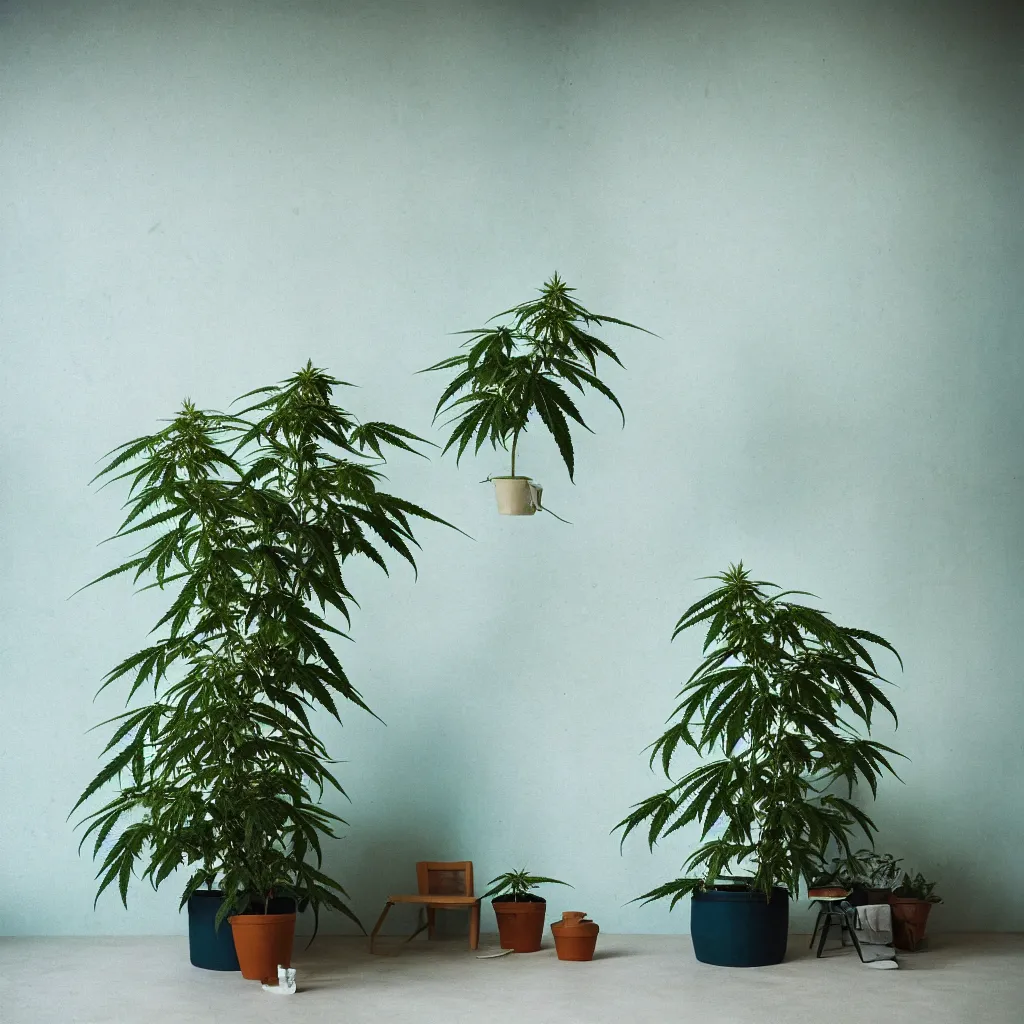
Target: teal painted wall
[(816, 206)]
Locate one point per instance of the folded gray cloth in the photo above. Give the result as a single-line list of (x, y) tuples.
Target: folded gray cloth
[(873, 925)]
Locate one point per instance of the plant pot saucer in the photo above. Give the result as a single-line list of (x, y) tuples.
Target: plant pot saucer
[(827, 892)]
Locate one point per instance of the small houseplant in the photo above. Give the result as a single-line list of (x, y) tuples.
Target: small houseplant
[(775, 695), (250, 518), (868, 876), (524, 367), (519, 913), (911, 902)]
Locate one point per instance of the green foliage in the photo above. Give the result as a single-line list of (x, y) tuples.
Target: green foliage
[(249, 519), (917, 888), (524, 367), (862, 869), (776, 695), (517, 884)]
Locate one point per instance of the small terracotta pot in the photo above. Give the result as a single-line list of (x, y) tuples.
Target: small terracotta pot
[(827, 892), (262, 942), (876, 896), (575, 936), (516, 495), (520, 923), (909, 920)]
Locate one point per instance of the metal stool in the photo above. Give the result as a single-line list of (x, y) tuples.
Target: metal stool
[(834, 910)]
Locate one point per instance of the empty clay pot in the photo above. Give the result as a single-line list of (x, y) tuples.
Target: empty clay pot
[(520, 923), (516, 495), (575, 936), (262, 942), (909, 920)]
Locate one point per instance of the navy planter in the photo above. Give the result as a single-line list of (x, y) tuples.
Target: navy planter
[(733, 927), (209, 948)]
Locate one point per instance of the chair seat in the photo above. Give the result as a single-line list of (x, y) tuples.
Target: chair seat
[(435, 900), (443, 885)]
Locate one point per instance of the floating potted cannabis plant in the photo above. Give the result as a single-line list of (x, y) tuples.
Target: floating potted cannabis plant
[(519, 913), (775, 695), (521, 368), (250, 518)]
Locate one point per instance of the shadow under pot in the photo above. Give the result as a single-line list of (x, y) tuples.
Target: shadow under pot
[(264, 939), (520, 922), (209, 947), (734, 926)]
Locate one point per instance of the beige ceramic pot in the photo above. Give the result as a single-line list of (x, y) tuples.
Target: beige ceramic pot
[(517, 495)]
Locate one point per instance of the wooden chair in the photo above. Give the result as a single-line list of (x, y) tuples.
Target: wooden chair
[(442, 885)]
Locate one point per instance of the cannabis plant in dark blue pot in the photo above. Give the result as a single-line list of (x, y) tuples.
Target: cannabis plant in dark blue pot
[(782, 696)]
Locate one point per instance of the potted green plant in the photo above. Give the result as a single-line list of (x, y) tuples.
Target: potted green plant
[(268, 822), (775, 695), (259, 787), (524, 367), (867, 876), (249, 518), (911, 902), (519, 913)]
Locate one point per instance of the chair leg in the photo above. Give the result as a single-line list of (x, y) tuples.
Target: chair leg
[(817, 925), (377, 926), (431, 923), (421, 924), (824, 933), (474, 926), (853, 935)]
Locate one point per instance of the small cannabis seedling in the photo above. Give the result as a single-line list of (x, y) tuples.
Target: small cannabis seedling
[(516, 885)]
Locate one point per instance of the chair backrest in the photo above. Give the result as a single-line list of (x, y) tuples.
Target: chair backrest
[(444, 877)]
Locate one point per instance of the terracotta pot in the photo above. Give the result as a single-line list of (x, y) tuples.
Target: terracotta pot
[(909, 920), (575, 936), (262, 942), (876, 896), (520, 923), (516, 495), (827, 892)]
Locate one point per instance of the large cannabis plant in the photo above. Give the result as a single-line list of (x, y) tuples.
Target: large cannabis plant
[(249, 518), (523, 367), (781, 695)]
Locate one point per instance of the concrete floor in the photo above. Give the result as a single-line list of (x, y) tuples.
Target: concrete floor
[(636, 979)]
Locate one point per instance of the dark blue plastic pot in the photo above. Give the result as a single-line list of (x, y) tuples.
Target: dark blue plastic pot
[(211, 948), (733, 927)]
